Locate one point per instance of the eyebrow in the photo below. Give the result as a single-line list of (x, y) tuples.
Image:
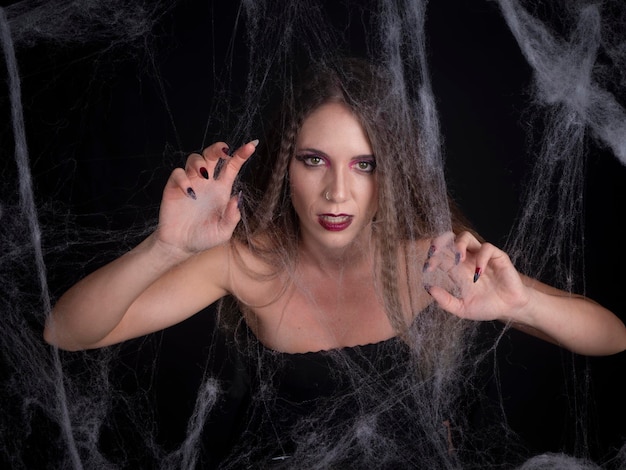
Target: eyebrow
[(324, 154)]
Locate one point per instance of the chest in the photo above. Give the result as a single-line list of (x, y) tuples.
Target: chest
[(316, 313)]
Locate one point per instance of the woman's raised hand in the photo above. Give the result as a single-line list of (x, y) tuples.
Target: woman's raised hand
[(198, 210), (473, 280)]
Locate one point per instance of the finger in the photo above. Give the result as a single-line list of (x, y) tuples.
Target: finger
[(445, 300), (232, 215), (442, 241), (196, 165), (210, 159), (214, 152), (464, 242), (441, 253), (489, 255), (179, 180), (233, 164)]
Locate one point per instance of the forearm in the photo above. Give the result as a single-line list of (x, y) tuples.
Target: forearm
[(500, 292), (573, 322), (93, 307)]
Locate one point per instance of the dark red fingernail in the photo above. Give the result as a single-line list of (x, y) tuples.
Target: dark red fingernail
[(191, 193), (204, 173), (226, 150), (477, 274)]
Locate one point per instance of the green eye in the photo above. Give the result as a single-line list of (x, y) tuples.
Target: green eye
[(311, 159), (366, 166)]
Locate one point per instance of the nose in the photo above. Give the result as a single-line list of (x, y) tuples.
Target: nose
[(338, 186)]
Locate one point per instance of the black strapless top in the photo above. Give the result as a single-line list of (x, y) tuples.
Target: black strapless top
[(356, 407), (304, 377), (352, 407)]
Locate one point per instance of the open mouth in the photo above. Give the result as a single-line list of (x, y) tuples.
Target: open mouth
[(335, 223)]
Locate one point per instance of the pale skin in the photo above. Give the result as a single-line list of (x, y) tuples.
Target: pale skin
[(329, 301)]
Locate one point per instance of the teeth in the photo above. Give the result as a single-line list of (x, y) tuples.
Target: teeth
[(336, 219)]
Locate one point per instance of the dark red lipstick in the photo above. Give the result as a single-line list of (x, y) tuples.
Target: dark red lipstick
[(334, 222)]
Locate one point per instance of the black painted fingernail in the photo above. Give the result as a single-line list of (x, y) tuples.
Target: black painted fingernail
[(204, 173), (425, 267), (457, 257), (477, 274), (431, 251), (191, 193), (226, 151), (427, 288)]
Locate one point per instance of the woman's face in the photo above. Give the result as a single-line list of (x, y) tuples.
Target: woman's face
[(333, 179)]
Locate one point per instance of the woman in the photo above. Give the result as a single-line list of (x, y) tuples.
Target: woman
[(338, 238)]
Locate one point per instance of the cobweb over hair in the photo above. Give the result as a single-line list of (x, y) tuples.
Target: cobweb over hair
[(404, 54), (107, 116)]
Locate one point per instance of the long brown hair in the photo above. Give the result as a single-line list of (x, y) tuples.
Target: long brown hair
[(409, 205)]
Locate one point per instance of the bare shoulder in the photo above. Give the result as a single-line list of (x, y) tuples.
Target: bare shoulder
[(253, 278)]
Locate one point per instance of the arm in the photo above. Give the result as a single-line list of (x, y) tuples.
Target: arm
[(499, 292), (178, 270)]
